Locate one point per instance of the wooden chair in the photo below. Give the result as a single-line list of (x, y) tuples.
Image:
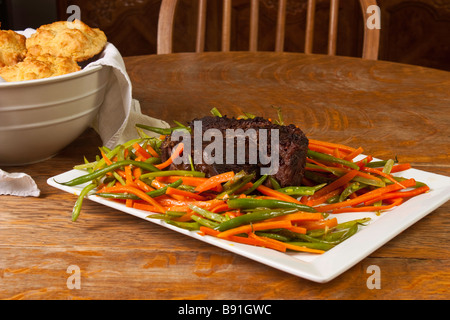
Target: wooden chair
[(167, 14)]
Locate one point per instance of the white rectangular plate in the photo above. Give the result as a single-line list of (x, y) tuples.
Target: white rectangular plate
[(318, 268)]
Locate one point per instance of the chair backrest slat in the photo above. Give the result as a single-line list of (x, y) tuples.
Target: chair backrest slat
[(226, 25), (309, 35), (254, 24), (332, 29), (281, 26), (168, 8), (201, 26)]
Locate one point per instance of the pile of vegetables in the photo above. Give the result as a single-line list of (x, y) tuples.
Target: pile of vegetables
[(238, 208)]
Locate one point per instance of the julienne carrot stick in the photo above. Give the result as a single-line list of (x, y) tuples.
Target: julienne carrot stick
[(331, 145), (400, 167), (368, 208), (381, 173), (340, 182), (367, 196), (141, 151), (137, 192), (185, 194), (276, 194), (255, 227), (179, 148), (353, 154), (399, 194), (318, 224), (214, 181)]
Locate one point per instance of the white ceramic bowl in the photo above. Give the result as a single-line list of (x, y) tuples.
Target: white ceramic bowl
[(40, 117)]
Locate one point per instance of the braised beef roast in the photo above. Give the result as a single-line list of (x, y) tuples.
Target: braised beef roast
[(291, 142)]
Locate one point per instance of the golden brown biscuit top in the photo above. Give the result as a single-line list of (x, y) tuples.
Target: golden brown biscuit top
[(68, 39), (12, 48), (39, 67)]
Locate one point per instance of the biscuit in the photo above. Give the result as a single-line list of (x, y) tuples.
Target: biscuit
[(75, 40), (12, 48), (44, 66)]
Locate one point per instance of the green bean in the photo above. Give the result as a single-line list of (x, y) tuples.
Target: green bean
[(353, 187), (347, 234), (101, 172), (417, 185), (175, 214), (274, 183), (208, 214), (332, 199), (273, 235), (185, 225), (251, 203), (160, 216), (334, 236), (325, 157), (301, 190), (388, 166), (77, 207), (252, 217), (237, 177), (172, 173), (378, 164), (349, 224), (236, 186), (205, 222), (257, 183)]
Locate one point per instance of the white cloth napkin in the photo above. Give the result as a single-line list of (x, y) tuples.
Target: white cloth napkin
[(115, 122), (18, 184), (119, 112)]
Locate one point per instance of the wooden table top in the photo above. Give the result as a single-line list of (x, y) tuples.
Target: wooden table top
[(387, 108)]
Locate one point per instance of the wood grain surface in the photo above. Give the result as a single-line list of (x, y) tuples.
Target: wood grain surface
[(388, 109)]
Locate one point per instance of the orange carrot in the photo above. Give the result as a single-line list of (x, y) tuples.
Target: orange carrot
[(322, 199), (302, 249), (353, 154), (137, 192), (283, 245), (299, 216), (331, 145), (381, 173), (369, 208), (214, 181), (319, 224), (174, 155), (191, 181), (255, 227), (141, 151), (399, 194), (322, 149), (143, 186), (107, 160), (366, 196), (128, 175), (276, 194), (184, 194), (152, 151), (400, 167), (297, 229), (340, 182), (266, 242)]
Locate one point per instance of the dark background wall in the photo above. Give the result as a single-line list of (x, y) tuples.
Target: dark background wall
[(412, 31)]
